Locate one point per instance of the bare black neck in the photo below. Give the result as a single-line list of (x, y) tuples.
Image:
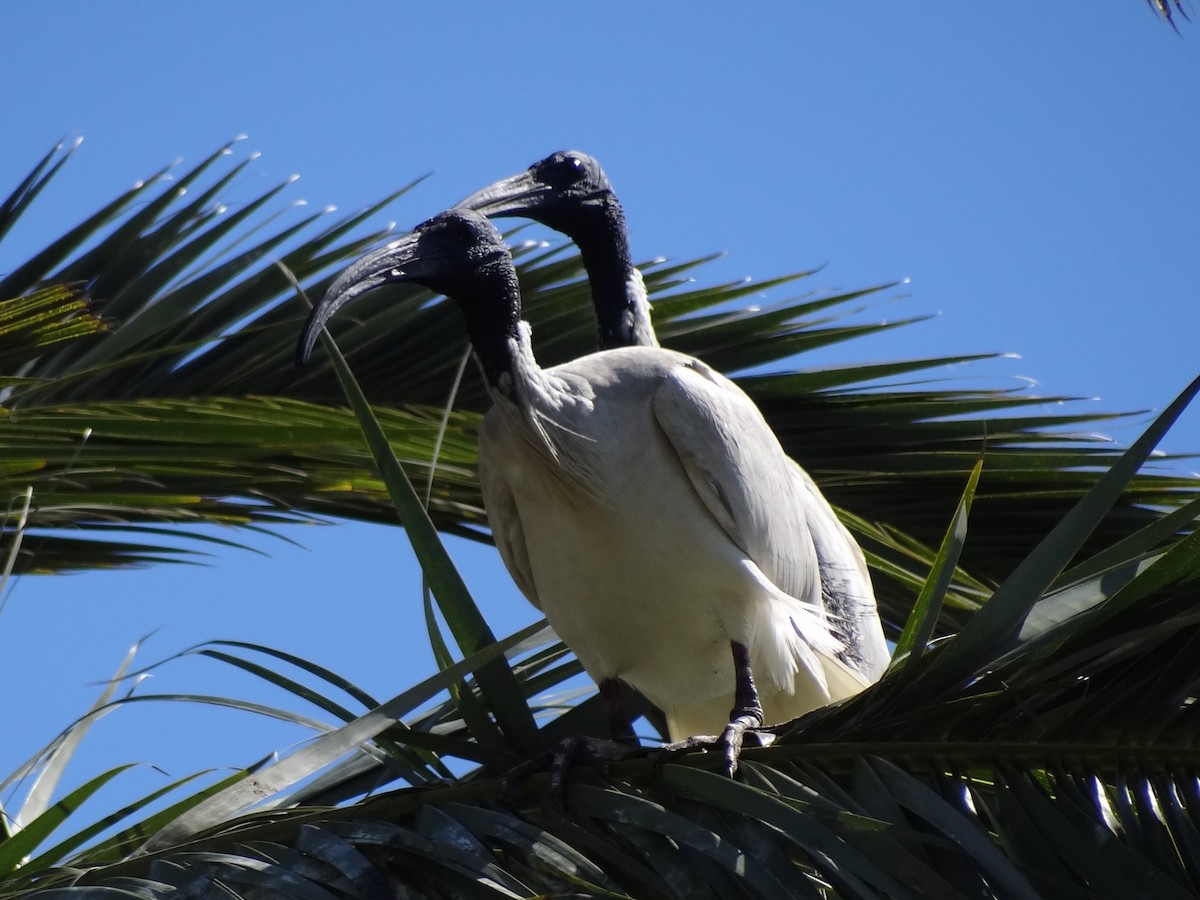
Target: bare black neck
[(491, 306), (604, 247)]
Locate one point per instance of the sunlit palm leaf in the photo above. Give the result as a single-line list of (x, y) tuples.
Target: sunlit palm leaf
[(43, 317), (236, 462)]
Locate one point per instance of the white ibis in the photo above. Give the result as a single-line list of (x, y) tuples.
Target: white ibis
[(639, 499), (569, 192)]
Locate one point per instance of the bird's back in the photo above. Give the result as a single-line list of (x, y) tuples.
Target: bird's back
[(642, 503)]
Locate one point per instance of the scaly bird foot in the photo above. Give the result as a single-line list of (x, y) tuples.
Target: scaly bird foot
[(742, 731), (596, 753)]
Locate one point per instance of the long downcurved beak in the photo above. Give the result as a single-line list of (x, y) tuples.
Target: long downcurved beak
[(401, 260), (514, 196)]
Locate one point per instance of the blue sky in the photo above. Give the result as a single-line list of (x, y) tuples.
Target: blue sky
[(1030, 167)]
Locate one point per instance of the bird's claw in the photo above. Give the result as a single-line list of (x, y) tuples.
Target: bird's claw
[(596, 753), (742, 731)]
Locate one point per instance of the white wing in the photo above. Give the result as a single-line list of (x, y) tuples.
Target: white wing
[(771, 508), (736, 466)]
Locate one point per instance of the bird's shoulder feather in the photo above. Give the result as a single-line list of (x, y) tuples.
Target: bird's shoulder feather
[(738, 468)]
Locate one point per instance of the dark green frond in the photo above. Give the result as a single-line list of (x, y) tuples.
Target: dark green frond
[(120, 466), (1060, 763)]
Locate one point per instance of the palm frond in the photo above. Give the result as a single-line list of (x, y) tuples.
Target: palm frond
[(1062, 762), (121, 467), (193, 362), (43, 317), (1167, 9)]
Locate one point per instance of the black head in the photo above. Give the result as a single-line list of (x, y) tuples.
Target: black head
[(573, 176), (569, 192), (566, 191), (458, 253), (455, 251)]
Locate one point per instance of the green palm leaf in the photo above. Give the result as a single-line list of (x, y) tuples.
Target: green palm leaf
[(194, 363), (1062, 765), (1049, 749)]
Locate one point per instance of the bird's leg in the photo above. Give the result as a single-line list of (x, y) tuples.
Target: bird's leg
[(747, 712), (745, 718), (620, 723), (577, 748)]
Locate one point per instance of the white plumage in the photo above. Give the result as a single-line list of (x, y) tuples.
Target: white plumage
[(570, 192), (643, 504), (641, 501)]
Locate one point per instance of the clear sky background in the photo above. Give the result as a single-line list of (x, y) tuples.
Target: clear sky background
[(1030, 166)]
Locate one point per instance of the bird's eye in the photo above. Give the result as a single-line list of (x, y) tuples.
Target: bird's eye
[(457, 226), (578, 168), (563, 170)]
